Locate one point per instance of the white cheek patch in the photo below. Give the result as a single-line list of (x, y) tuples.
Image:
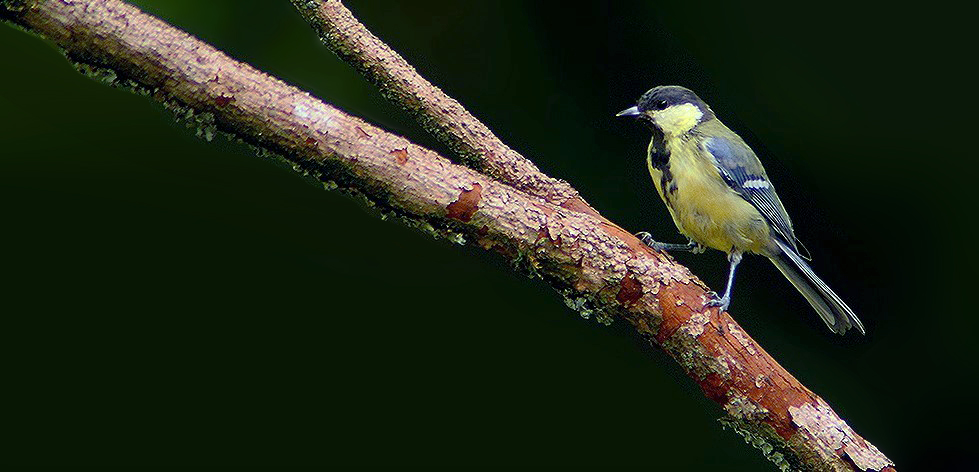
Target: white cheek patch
[(756, 183), (678, 119)]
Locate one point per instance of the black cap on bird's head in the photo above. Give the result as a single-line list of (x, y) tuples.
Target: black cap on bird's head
[(665, 97)]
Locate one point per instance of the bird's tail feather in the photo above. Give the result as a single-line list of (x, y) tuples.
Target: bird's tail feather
[(834, 312)]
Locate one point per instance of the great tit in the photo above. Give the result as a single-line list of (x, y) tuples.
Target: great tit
[(720, 197)]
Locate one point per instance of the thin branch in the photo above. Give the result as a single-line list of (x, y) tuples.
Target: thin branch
[(596, 265), (443, 117)]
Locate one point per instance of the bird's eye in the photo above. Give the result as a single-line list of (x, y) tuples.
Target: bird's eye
[(660, 105)]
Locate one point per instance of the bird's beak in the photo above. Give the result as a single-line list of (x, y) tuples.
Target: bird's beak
[(634, 111)]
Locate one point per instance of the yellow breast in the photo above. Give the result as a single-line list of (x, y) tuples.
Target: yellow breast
[(703, 207)]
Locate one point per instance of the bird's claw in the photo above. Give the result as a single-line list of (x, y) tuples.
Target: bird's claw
[(646, 239), (714, 300)]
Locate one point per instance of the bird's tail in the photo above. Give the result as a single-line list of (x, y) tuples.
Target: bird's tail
[(836, 314)]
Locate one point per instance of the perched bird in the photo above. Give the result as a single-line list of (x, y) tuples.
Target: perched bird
[(720, 197)]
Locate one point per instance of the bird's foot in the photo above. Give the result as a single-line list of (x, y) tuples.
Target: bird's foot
[(714, 300), (648, 240)]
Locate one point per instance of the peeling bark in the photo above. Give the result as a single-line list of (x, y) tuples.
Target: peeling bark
[(597, 266), (466, 205), (441, 115)]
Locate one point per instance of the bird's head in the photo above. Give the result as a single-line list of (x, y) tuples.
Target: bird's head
[(672, 109)]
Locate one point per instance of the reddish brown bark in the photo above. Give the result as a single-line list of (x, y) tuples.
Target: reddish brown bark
[(596, 264)]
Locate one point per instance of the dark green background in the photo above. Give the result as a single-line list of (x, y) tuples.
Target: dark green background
[(172, 301)]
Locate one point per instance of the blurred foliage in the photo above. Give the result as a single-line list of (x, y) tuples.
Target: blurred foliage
[(172, 301)]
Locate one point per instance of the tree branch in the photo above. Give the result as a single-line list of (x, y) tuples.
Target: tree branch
[(441, 115), (596, 265)]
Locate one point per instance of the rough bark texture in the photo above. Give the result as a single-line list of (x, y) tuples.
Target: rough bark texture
[(439, 113), (598, 267)]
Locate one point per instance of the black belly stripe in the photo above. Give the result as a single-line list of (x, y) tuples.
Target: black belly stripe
[(659, 159), (659, 155), (667, 184)]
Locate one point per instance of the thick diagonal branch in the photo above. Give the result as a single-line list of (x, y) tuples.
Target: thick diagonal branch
[(444, 117), (593, 263)]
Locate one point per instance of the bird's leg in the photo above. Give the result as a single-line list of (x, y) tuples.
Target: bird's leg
[(725, 301), (691, 246)]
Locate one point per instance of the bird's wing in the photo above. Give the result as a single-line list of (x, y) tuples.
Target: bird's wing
[(743, 172)]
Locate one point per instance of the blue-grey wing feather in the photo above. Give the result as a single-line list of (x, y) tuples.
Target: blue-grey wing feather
[(742, 171)]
